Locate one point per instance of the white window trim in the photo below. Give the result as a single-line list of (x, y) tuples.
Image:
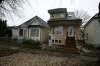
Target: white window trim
[(32, 35), (71, 31)]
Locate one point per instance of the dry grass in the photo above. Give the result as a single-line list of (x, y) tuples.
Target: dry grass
[(6, 52), (28, 59)]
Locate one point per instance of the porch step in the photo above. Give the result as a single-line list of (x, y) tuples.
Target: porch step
[(70, 42), (57, 47)]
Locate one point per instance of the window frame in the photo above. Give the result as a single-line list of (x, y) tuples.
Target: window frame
[(71, 31), (34, 32), (57, 30), (21, 32)]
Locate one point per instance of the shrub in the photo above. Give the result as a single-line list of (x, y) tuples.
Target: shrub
[(31, 43)]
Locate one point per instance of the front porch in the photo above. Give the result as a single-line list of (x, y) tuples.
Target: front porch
[(62, 40), (56, 39)]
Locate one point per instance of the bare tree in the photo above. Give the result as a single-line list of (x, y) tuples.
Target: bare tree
[(83, 15), (99, 13), (11, 7)]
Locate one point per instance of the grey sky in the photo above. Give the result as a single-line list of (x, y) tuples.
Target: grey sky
[(40, 8)]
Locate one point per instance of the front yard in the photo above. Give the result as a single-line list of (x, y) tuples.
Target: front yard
[(28, 59), (16, 55)]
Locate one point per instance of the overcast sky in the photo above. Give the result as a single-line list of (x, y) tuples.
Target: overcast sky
[(40, 8)]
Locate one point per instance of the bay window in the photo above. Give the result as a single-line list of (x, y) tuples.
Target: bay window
[(34, 32)]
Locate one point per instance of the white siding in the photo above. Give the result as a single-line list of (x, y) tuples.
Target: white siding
[(93, 30), (15, 33), (43, 35), (90, 30), (97, 40)]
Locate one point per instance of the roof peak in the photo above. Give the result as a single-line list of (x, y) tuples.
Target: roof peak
[(37, 19)]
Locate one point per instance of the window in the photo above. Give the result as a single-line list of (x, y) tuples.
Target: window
[(63, 15), (52, 16), (60, 15), (57, 30), (21, 32), (49, 37), (87, 36), (56, 41), (52, 41), (24, 32), (71, 31), (59, 41), (35, 32)]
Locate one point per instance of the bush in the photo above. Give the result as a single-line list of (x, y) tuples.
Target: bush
[(31, 43)]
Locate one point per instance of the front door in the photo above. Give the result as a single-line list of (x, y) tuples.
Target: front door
[(70, 39)]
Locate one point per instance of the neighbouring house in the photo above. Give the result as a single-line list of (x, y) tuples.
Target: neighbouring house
[(35, 29), (64, 28), (92, 31)]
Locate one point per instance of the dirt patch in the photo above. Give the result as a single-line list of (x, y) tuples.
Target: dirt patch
[(6, 52), (28, 59)]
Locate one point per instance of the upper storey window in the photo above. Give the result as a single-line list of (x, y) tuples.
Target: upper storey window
[(60, 15), (57, 30), (71, 31)]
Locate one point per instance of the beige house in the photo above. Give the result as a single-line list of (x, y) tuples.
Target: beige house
[(92, 31), (64, 28), (35, 29)]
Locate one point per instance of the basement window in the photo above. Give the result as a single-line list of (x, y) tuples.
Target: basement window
[(59, 41), (52, 41), (56, 41)]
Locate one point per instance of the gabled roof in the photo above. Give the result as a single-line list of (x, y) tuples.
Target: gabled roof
[(94, 17), (36, 19)]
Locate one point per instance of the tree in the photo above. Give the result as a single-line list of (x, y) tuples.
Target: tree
[(83, 15), (3, 28), (11, 7)]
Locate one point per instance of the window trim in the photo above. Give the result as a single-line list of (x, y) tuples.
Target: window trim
[(21, 32), (34, 33)]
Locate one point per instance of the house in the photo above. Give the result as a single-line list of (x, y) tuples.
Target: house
[(35, 29), (92, 31), (64, 28)]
